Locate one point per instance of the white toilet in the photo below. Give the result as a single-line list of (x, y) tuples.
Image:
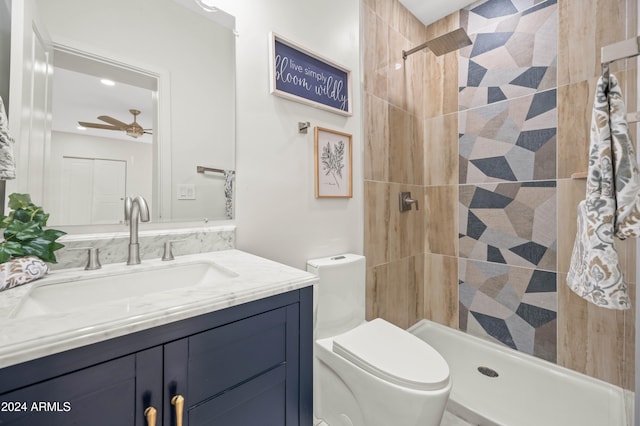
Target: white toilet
[(369, 373)]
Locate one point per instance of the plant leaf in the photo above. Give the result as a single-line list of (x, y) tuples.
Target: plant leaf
[(52, 234), (19, 201), (22, 231), (24, 234), (9, 249), (41, 248)]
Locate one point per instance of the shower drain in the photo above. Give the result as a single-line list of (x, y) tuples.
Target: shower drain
[(489, 372)]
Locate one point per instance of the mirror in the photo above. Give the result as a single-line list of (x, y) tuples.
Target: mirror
[(173, 69)]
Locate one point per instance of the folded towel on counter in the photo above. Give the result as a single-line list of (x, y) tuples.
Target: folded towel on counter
[(21, 270), (594, 272), (7, 160)]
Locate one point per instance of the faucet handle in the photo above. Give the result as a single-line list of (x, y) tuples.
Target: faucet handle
[(93, 258), (168, 253)]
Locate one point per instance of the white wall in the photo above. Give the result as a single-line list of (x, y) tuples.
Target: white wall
[(277, 215)]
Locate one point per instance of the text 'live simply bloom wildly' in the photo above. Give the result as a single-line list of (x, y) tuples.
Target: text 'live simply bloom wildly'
[(304, 76)]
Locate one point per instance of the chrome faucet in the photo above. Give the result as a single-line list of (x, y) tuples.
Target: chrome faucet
[(135, 209)]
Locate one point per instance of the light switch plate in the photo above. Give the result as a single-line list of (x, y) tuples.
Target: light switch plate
[(186, 191)]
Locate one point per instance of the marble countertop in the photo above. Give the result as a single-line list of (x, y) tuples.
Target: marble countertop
[(24, 339)]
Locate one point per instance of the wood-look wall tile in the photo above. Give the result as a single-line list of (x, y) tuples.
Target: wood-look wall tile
[(441, 289), (405, 147), (441, 72), (441, 93), (394, 291), (382, 8), (629, 370), (591, 339), (376, 138), (391, 235), (399, 74), (408, 25), (415, 65), (376, 54), (573, 328), (441, 150), (585, 26), (406, 229), (417, 150), (570, 193), (377, 214), (575, 105), (627, 258), (441, 219)]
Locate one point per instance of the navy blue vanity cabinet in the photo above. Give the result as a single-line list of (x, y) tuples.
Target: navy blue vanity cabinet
[(246, 365)]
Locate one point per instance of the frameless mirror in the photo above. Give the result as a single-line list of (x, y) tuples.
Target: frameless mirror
[(163, 127)]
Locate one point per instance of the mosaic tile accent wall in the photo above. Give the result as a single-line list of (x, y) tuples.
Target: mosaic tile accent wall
[(511, 223), (513, 140), (507, 173), (514, 51), (514, 306)]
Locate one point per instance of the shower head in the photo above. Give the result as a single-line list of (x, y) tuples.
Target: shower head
[(446, 43)]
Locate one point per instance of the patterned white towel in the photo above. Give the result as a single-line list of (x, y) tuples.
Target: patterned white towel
[(595, 273), (21, 270), (229, 176), (627, 175), (7, 161)]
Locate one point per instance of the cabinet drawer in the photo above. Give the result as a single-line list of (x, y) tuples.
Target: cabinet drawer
[(99, 395), (260, 401), (229, 355)]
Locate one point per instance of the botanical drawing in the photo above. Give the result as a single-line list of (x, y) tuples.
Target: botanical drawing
[(333, 160), (333, 164)]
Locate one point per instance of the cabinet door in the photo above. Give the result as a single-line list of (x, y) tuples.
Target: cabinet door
[(98, 396), (112, 393), (260, 401), (243, 373)]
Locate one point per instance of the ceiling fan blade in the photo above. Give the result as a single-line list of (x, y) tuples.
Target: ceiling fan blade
[(97, 126), (113, 121)]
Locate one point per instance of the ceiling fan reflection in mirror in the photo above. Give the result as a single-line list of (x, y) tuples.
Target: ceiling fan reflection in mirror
[(132, 129)]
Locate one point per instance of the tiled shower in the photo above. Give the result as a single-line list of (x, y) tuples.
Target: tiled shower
[(488, 139)]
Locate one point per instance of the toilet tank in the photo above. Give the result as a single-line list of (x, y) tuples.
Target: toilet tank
[(340, 293)]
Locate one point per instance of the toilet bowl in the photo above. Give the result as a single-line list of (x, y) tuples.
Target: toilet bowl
[(369, 373)]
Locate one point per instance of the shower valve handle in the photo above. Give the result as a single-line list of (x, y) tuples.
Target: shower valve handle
[(406, 201)]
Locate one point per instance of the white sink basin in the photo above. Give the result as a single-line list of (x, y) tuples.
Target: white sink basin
[(120, 288)]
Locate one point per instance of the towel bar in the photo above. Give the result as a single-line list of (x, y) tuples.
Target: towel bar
[(202, 169)]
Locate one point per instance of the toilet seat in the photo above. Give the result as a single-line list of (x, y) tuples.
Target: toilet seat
[(394, 355)]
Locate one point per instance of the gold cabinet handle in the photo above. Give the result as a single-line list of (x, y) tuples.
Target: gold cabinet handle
[(178, 402), (151, 414)]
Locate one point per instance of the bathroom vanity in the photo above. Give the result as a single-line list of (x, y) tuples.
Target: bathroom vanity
[(235, 349)]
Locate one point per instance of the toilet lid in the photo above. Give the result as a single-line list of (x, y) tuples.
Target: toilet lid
[(394, 355)]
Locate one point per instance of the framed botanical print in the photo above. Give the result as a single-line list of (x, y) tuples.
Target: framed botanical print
[(333, 164)]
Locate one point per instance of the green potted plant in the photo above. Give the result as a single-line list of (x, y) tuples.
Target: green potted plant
[(25, 233)]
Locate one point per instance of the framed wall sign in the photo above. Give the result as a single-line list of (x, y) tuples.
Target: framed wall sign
[(303, 76), (333, 164)]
